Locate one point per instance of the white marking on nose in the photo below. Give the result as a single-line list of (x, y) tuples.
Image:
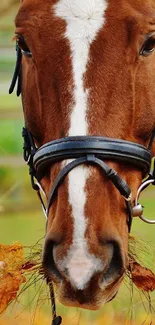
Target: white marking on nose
[(84, 19), (79, 264)]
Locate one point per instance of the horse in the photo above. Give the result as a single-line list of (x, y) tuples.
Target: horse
[(86, 72)]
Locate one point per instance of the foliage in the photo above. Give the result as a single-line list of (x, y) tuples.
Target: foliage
[(106, 319), (15, 269), (11, 275)]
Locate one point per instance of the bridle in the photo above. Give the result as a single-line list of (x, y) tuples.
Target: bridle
[(90, 150), (85, 150)]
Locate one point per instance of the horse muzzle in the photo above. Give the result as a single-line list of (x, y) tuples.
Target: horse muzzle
[(85, 281)]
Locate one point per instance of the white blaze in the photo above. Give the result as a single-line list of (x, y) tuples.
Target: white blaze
[(84, 19)]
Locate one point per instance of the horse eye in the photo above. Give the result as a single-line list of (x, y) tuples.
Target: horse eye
[(22, 44), (149, 45)]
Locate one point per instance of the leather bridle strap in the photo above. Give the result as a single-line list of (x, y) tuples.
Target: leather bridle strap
[(91, 150), (17, 78), (112, 175), (84, 150), (102, 147)]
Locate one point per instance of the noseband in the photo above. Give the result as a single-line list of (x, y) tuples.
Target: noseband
[(89, 150)]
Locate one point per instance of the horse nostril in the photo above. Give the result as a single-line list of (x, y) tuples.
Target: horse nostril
[(48, 259), (115, 267)]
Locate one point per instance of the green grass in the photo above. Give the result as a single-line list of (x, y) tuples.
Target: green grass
[(11, 102), (6, 77), (10, 140), (7, 65), (7, 27), (7, 21), (16, 193), (23, 220), (140, 228), (24, 227), (6, 37)]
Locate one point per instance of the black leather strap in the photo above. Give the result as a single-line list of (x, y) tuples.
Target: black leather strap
[(112, 175), (101, 147), (17, 78), (57, 320)]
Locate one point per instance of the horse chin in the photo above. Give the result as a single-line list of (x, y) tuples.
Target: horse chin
[(95, 303), (71, 303), (79, 299), (87, 299)]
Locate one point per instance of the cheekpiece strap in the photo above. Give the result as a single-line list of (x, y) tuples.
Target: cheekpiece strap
[(29, 150), (17, 77)]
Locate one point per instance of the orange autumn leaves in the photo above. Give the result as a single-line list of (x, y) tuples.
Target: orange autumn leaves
[(142, 277), (11, 274), (141, 264)]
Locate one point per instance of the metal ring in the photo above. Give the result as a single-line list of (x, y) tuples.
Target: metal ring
[(146, 183), (151, 222)]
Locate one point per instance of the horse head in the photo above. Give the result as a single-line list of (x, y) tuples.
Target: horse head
[(88, 70)]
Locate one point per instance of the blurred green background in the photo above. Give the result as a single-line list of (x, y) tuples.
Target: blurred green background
[(16, 196), (21, 218)]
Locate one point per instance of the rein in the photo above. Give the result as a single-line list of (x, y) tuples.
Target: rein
[(90, 150)]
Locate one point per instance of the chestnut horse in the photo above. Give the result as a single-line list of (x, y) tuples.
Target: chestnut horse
[(88, 70)]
